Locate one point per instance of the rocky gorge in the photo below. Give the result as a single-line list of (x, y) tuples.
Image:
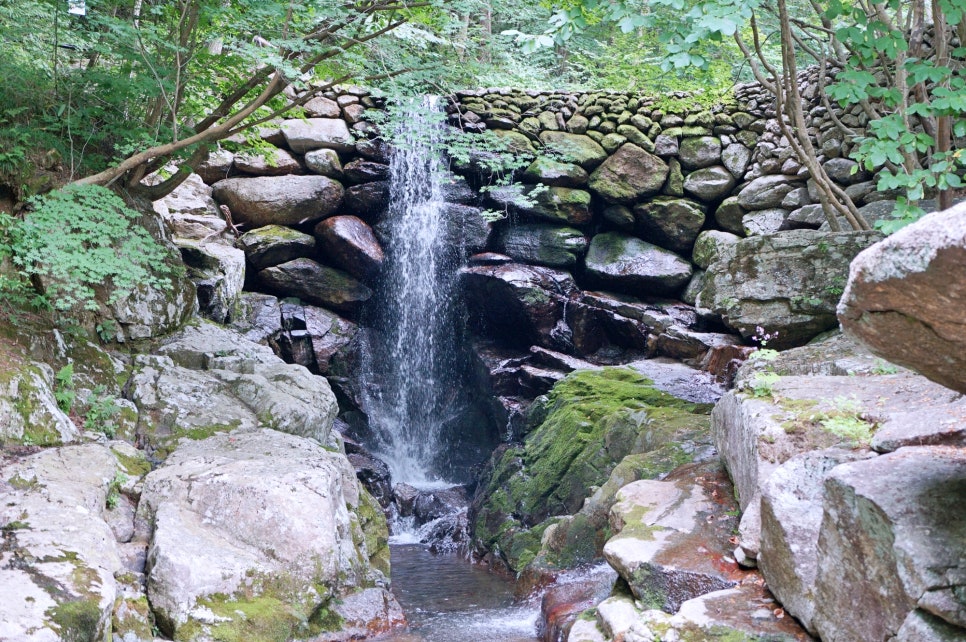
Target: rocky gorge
[(609, 320)]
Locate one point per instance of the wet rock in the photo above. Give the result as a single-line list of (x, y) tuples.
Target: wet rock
[(365, 171), (556, 204), (672, 223), (620, 218), (275, 244), (700, 152), (315, 283), (886, 544), (316, 338), (736, 158), (787, 282), (456, 190), (709, 184), (657, 525), (431, 505), (466, 230), (564, 600), (276, 162), (280, 200), (367, 613), (627, 264), (367, 201), (374, 475), (57, 574), (629, 175), (348, 243), (305, 135), (906, 297), (541, 244), (553, 172), (574, 148), (249, 486), (521, 303), (766, 192)]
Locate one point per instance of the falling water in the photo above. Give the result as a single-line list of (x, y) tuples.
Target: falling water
[(412, 357)]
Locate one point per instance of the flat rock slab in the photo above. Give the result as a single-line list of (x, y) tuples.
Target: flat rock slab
[(671, 541), (892, 540), (58, 556), (280, 200)]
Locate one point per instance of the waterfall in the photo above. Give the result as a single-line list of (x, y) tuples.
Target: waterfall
[(412, 355)]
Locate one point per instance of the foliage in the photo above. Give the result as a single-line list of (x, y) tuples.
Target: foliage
[(101, 413), (114, 490), (64, 392), (80, 238), (762, 384)]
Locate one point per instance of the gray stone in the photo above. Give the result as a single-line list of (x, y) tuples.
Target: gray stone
[(766, 192), (218, 166), (759, 222), (552, 172), (325, 162), (736, 158), (29, 413), (845, 171), (556, 204), (280, 200), (218, 272), (729, 215), (629, 175), (620, 217), (666, 146), (906, 297), (321, 107), (276, 162), (699, 152), (891, 541), (315, 283), (809, 217), (627, 264), (710, 184), (217, 507), (542, 244), (317, 133), (672, 223), (708, 245), (275, 244), (787, 282), (574, 148)]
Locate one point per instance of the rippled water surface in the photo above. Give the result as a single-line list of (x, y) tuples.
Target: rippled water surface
[(447, 599)]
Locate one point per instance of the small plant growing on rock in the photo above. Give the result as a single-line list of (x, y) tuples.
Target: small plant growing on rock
[(101, 411), (762, 384), (114, 490), (64, 388)]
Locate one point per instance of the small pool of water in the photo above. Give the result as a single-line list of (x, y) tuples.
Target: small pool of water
[(448, 599)]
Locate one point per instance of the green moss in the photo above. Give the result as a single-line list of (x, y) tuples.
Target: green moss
[(197, 433), (21, 483), (77, 621), (133, 465), (375, 531)]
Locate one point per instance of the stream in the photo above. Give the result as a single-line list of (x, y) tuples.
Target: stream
[(448, 599)]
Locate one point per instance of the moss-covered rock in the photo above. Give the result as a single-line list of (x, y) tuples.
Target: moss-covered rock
[(594, 419)]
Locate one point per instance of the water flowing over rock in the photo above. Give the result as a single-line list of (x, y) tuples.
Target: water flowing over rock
[(279, 200), (906, 297)]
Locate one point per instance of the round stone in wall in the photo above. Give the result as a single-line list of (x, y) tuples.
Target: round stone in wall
[(699, 152), (624, 263), (710, 183)]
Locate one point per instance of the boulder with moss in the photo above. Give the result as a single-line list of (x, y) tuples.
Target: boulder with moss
[(589, 422), (59, 557), (217, 567), (29, 413)]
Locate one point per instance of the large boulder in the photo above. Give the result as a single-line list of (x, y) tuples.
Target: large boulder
[(273, 162), (275, 244), (629, 175), (891, 544), (280, 200), (367, 201), (627, 264), (906, 297), (304, 135), (218, 272), (672, 223), (543, 244), (465, 229), (699, 152), (574, 148), (523, 304), (59, 554), (315, 283), (348, 243), (29, 413), (787, 282), (218, 568), (315, 338), (553, 172)]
